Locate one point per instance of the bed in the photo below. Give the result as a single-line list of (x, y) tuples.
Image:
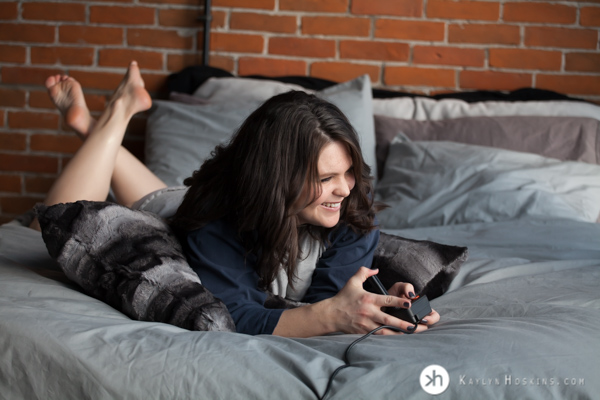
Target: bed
[(514, 178)]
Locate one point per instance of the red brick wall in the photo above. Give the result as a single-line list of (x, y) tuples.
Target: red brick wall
[(422, 46)]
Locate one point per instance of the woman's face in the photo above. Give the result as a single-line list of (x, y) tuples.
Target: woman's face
[(337, 180)]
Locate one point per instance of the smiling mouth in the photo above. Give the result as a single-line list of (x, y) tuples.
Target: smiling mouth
[(332, 206)]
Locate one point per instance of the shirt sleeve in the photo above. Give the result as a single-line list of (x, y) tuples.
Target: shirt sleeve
[(347, 252), (218, 257)]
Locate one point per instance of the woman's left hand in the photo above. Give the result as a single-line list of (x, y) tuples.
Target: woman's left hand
[(407, 291)]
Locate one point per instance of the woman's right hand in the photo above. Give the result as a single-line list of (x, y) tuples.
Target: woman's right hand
[(355, 310)]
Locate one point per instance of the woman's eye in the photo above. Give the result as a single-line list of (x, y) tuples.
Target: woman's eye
[(325, 180)]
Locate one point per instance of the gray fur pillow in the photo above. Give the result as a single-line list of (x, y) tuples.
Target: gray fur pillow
[(429, 266), (132, 261)]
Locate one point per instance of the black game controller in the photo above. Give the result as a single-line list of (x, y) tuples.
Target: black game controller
[(419, 309)]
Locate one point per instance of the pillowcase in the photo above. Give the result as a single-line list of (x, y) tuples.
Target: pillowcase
[(565, 138), (442, 183), (227, 89), (179, 137), (130, 260), (423, 108), (429, 266)]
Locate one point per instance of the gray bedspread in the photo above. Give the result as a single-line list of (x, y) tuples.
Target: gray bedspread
[(520, 321)]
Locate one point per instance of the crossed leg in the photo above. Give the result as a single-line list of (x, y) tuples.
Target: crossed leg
[(101, 161)]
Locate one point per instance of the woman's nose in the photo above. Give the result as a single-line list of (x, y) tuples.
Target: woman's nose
[(343, 187)]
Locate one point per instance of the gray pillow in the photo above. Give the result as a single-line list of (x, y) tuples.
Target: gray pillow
[(179, 136), (429, 266), (443, 183), (130, 260), (565, 138)]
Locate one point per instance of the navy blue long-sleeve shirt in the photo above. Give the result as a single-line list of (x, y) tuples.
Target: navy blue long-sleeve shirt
[(218, 256)]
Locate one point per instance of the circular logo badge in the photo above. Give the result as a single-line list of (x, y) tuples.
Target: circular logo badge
[(434, 379)]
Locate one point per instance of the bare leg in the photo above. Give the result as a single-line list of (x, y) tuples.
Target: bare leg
[(88, 175), (131, 179)]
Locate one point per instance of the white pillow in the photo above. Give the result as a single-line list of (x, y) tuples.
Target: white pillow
[(423, 108), (179, 137), (443, 183), (227, 89)]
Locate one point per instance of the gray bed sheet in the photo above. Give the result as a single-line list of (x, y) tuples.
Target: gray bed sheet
[(520, 321)]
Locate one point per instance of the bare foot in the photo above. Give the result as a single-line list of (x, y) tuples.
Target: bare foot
[(67, 96), (131, 94)]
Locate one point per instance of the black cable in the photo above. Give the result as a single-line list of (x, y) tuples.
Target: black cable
[(347, 352)]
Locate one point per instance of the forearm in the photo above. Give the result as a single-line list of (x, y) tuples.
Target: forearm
[(306, 321)]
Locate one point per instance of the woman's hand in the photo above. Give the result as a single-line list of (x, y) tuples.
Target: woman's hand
[(357, 311), (407, 291), (352, 310)]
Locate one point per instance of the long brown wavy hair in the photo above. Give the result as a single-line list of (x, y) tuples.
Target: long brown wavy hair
[(257, 179)]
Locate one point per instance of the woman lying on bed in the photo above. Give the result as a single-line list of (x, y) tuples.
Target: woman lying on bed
[(285, 206)]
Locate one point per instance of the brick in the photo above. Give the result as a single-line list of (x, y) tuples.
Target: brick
[(90, 34), (525, 59), (13, 141), (409, 29), (32, 120), (419, 76), (12, 97), (263, 22), (27, 75), (343, 71), (154, 82), (223, 62), (261, 4), (270, 67), (332, 6), (137, 15), (338, 26), (177, 62), (539, 12), (179, 2), (570, 84), (55, 143), (9, 10), (13, 54), (448, 56), (122, 58), (403, 8), (2, 117), (10, 183), (62, 55), (18, 204), (40, 99), (584, 62), (561, 37), (470, 10), (219, 19), (236, 42), (27, 33), (53, 11), (484, 34), (302, 47), (28, 163), (374, 50), (493, 80), (92, 80), (162, 38), (38, 184), (589, 16), (180, 18)]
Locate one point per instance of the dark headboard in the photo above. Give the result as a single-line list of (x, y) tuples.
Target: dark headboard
[(206, 19)]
